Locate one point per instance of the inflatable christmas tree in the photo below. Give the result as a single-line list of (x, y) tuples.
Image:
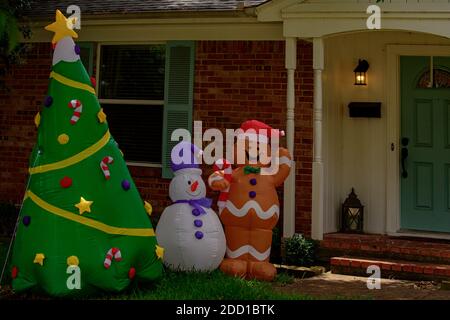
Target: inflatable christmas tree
[(83, 226)]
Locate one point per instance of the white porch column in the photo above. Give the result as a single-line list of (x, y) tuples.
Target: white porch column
[(318, 187), (289, 184)]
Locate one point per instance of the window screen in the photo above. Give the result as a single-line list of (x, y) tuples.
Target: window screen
[(128, 73), (86, 55), (133, 72), (137, 129)]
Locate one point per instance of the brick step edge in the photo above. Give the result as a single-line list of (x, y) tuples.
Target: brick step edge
[(326, 253), (390, 268)]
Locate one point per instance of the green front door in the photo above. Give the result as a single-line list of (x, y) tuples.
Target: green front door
[(425, 144)]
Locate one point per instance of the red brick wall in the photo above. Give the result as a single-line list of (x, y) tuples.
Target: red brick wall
[(240, 80), (235, 81), (26, 88)]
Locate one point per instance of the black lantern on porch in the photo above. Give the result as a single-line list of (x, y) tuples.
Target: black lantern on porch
[(361, 73), (352, 214)]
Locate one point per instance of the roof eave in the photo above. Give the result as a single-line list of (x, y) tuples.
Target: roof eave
[(246, 12)]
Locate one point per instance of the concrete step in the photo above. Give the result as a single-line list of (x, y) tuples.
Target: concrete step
[(389, 268)]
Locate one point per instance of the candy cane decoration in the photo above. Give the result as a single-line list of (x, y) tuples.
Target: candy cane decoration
[(225, 165), (112, 253), (75, 104), (104, 165)]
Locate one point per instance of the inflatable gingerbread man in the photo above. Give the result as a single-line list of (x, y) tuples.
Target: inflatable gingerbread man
[(248, 204)]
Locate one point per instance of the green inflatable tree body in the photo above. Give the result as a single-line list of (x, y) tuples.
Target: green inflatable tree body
[(83, 226)]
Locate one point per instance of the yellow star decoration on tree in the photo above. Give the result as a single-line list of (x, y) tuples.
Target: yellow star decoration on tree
[(37, 120), (39, 258), (62, 27), (84, 206), (101, 116), (159, 252), (148, 207)]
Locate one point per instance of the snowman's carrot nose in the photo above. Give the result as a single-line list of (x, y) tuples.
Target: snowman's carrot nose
[(194, 186)]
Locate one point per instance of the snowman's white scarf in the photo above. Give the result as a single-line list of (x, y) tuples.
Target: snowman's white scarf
[(198, 203)]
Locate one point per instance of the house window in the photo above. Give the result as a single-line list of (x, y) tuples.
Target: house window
[(87, 56), (146, 91), (131, 91), (441, 79)]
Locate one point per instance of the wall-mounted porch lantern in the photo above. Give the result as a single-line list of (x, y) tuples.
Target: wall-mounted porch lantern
[(352, 214), (361, 73)]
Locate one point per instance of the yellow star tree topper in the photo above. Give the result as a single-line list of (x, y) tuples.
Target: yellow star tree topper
[(62, 27)]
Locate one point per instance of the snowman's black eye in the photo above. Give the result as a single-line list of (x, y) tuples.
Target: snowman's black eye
[(189, 182)]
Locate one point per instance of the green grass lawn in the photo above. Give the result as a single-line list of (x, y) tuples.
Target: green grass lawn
[(190, 286), (205, 286)]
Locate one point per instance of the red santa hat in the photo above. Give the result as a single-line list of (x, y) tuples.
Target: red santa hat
[(256, 130)]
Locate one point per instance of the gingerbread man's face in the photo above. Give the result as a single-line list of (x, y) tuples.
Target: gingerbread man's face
[(247, 152)]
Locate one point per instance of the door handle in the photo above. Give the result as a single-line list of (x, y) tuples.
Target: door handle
[(405, 153)]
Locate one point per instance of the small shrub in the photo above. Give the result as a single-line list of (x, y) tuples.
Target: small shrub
[(300, 251)]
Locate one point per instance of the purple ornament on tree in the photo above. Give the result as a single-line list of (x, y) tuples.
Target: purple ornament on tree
[(26, 220), (77, 49), (48, 101), (126, 185)]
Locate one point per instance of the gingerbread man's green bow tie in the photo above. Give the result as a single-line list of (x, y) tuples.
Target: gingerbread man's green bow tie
[(249, 169)]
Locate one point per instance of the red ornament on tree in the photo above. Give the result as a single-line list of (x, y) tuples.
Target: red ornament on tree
[(131, 273), (93, 82), (65, 182), (14, 272)]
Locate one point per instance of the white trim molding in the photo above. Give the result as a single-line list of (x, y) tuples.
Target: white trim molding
[(143, 164), (161, 29), (133, 102), (393, 108), (289, 184), (318, 195)]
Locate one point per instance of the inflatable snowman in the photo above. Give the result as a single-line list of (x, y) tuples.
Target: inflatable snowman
[(189, 230)]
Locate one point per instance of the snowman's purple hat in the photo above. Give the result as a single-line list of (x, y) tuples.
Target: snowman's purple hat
[(185, 155)]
